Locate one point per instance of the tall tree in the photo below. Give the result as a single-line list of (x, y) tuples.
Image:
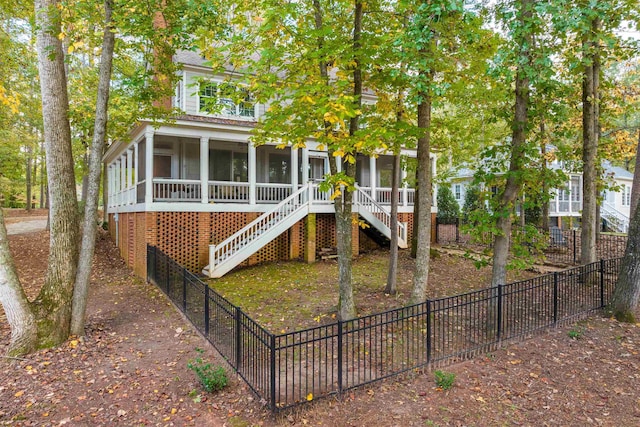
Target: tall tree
[(327, 51), (81, 287), (590, 136), (52, 307), (47, 320), (523, 40)]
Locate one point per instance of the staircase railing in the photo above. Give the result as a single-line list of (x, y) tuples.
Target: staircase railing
[(614, 217), (258, 228), (377, 212)]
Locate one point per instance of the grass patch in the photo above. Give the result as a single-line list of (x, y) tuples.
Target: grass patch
[(288, 296)]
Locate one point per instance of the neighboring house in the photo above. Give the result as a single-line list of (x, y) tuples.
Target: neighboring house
[(201, 192), (566, 204)]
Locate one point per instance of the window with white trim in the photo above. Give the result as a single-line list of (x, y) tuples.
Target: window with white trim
[(457, 191), (626, 195), (226, 99)]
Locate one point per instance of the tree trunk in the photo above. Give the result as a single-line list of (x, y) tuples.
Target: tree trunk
[(43, 176), (81, 287), (52, 307), (423, 173), (24, 332), (626, 295), (342, 203), (28, 177), (589, 144), (392, 282), (518, 140), (635, 189), (416, 215)]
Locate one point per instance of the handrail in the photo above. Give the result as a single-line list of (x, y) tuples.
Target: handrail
[(249, 232), (363, 199), (621, 220)]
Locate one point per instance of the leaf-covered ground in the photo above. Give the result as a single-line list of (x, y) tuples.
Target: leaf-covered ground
[(130, 369)]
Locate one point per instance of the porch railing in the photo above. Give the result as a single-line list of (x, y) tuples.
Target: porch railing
[(190, 190), (170, 190), (269, 193), (228, 192)]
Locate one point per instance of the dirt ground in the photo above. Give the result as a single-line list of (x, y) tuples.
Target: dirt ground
[(130, 369)]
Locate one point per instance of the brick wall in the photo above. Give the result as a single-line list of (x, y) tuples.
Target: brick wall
[(186, 236)]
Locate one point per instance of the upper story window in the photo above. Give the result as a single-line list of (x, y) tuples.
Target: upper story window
[(626, 195), (227, 99), (177, 97)]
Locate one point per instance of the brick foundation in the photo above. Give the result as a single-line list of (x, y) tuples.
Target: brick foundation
[(186, 236)]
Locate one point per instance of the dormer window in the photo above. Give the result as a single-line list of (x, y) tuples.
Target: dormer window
[(226, 99)]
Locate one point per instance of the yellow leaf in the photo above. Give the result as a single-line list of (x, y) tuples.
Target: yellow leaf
[(70, 49), (173, 411), (338, 153), (515, 362), (310, 397), (335, 194), (73, 343), (481, 399), (20, 393)]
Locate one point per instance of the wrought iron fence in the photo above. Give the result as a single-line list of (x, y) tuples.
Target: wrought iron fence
[(562, 246), (293, 368)]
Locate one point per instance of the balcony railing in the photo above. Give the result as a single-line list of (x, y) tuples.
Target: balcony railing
[(190, 190)]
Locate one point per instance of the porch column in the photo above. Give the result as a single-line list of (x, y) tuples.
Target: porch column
[(204, 169), (372, 176), (109, 188), (570, 195), (148, 169), (305, 166), (403, 177), (294, 170), (116, 181), (252, 173), (129, 176), (339, 164), (123, 180), (136, 165)]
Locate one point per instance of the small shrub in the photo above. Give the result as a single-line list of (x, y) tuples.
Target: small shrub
[(445, 380), (575, 333), (212, 378)]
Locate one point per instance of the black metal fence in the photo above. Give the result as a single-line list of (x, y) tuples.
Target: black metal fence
[(292, 368), (562, 246)]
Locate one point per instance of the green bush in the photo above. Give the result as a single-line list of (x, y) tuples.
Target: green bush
[(445, 380), (212, 378), (448, 209)]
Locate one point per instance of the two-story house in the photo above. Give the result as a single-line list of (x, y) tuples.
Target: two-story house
[(203, 193), (565, 207)]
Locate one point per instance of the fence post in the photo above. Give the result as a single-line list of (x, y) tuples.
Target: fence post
[(574, 247), (155, 266), (458, 230), (184, 290), (206, 311), (555, 298), (340, 356), (166, 264), (602, 304), (238, 338), (499, 325), (429, 326), (272, 345)]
